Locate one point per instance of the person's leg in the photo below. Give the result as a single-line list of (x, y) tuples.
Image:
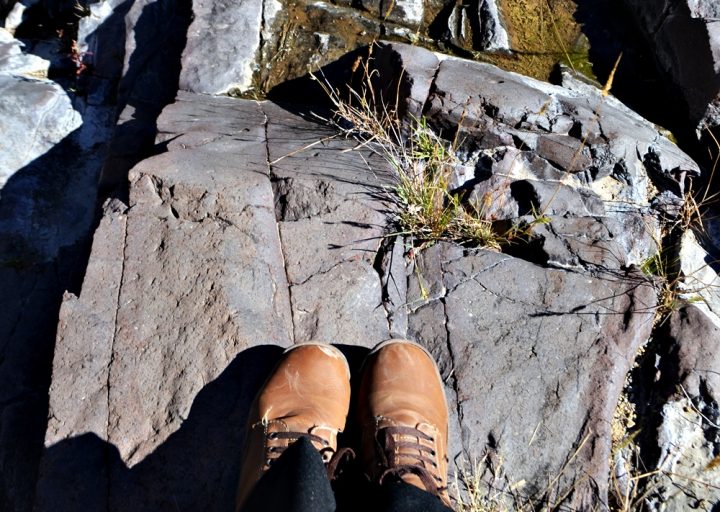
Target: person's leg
[(303, 405), (399, 496), (404, 420), (296, 482)]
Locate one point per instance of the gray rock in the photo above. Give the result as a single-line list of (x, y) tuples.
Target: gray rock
[(419, 68), (685, 36), (212, 244), (688, 437), (34, 116), (568, 242), (225, 59), (477, 27), (14, 62), (343, 305), (705, 9), (202, 285), (700, 281), (537, 358), (12, 13), (333, 219), (615, 140), (79, 389), (256, 226)]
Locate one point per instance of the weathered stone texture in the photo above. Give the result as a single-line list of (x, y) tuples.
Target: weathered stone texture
[(688, 438), (35, 115), (252, 225), (538, 358), (225, 59)]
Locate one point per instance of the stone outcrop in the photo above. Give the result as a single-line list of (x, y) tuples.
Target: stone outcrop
[(256, 227), (238, 227), (682, 443), (35, 114)]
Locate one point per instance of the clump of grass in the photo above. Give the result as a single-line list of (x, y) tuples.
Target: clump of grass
[(427, 210), (675, 288)]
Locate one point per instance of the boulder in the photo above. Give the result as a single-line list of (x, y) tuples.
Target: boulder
[(35, 116), (527, 150)]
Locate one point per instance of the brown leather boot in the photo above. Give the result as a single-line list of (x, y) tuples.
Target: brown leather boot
[(404, 418), (306, 395)]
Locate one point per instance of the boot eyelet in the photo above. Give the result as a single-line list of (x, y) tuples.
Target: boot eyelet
[(272, 435)]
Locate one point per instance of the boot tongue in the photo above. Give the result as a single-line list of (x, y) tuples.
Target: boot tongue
[(413, 479)]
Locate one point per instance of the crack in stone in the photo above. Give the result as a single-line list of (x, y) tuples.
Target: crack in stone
[(107, 454), (378, 267), (454, 382), (318, 273), (266, 122)]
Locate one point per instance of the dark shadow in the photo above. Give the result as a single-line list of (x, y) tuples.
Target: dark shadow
[(655, 380), (47, 209), (149, 84), (639, 83), (196, 468), (304, 94)]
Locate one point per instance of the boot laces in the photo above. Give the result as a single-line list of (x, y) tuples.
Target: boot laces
[(395, 447), (331, 458)]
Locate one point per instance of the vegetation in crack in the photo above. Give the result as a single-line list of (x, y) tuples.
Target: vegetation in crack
[(426, 208)]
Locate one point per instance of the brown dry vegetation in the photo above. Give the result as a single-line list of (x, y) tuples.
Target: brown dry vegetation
[(542, 33)]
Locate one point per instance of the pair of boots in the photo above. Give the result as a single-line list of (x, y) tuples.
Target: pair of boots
[(401, 408)]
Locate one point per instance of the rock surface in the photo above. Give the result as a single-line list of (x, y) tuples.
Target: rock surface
[(594, 167), (682, 453), (246, 226), (35, 114), (50, 158), (289, 242)]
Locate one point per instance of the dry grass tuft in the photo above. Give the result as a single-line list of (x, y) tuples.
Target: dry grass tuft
[(423, 163)]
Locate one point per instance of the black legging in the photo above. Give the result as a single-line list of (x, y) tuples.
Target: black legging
[(297, 482)]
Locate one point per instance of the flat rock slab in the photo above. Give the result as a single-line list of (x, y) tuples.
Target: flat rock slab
[(537, 358), (187, 293), (257, 228)]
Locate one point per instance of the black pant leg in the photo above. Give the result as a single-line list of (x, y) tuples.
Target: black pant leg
[(296, 482), (397, 496)]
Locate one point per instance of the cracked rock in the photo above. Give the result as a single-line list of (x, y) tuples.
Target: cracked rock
[(688, 437), (539, 357)]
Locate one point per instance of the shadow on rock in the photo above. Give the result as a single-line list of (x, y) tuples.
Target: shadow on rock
[(48, 213), (150, 83), (196, 468), (638, 82), (295, 95)]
